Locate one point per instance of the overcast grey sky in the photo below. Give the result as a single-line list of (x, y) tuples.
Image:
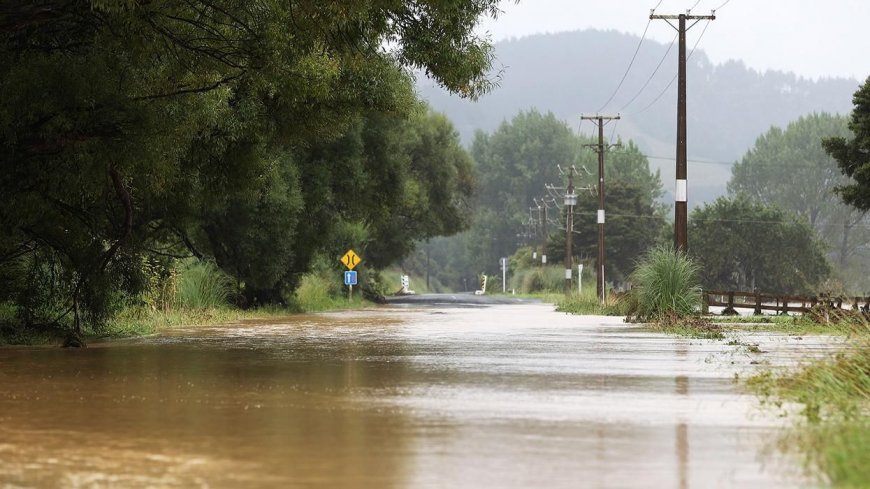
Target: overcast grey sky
[(813, 38)]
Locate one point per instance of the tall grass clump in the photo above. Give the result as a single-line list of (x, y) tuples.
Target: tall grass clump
[(202, 285), (665, 287), (534, 280)]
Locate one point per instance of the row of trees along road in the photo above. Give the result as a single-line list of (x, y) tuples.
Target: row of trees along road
[(775, 232), (515, 162), (255, 134), (796, 210)]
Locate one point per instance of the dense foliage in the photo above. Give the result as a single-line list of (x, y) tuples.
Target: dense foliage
[(514, 166), (853, 156), (256, 133), (790, 169), (741, 244), (634, 222)]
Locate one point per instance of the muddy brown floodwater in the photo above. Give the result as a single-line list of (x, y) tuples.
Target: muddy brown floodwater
[(475, 397)]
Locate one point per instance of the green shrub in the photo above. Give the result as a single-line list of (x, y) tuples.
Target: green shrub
[(665, 286), (537, 279), (202, 285), (316, 292)]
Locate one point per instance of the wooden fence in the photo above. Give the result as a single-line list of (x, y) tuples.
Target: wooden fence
[(781, 304)]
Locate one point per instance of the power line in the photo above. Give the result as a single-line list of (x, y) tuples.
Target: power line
[(622, 109), (705, 162), (731, 163), (648, 80), (734, 221), (627, 70), (660, 95)]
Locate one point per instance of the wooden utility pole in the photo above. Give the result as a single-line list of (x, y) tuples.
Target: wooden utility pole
[(570, 202), (600, 121), (546, 235), (681, 241)]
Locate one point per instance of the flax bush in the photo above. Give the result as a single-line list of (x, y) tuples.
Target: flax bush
[(665, 287)]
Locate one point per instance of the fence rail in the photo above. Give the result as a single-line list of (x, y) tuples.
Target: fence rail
[(779, 303)]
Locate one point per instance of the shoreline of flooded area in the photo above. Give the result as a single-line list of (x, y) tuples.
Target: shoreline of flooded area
[(498, 396)]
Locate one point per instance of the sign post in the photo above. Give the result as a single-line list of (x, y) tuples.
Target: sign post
[(503, 263), (350, 260), (350, 279)]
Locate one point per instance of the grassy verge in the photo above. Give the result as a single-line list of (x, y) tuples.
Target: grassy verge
[(794, 325), (832, 431), (585, 303), (200, 298), (131, 322)]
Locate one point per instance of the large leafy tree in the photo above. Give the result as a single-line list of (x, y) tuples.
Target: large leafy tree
[(744, 245), (634, 222), (516, 162), (789, 168), (853, 155), (853, 159), (130, 125)]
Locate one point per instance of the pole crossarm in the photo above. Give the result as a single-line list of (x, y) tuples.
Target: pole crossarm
[(596, 147), (684, 17), (598, 118)]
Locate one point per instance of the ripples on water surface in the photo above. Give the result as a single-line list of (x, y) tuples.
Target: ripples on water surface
[(504, 396)]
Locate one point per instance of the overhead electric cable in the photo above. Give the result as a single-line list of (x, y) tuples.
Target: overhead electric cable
[(661, 94), (627, 70), (835, 225), (613, 132), (648, 80)]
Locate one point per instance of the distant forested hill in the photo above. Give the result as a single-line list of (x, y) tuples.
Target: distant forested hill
[(573, 73)]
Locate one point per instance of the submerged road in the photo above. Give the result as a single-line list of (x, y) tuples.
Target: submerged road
[(407, 396)]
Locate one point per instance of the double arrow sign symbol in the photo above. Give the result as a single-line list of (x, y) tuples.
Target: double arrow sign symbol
[(350, 259)]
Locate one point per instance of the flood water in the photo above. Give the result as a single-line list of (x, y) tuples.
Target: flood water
[(503, 396)]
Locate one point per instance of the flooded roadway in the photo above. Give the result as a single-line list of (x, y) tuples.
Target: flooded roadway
[(506, 396)]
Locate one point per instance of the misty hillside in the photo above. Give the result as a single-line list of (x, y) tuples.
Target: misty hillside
[(573, 73)]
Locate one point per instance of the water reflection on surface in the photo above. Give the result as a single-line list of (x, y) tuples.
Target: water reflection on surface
[(506, 396)]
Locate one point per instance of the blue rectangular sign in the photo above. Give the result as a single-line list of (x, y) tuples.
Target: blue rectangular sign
[(350, 277)]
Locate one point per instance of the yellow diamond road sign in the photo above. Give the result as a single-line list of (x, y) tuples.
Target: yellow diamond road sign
[(350, 259)]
